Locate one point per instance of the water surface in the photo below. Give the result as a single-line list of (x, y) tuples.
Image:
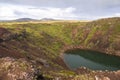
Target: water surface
[(91, 59)]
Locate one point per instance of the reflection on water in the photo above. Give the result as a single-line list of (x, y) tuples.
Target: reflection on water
[(91, 59)]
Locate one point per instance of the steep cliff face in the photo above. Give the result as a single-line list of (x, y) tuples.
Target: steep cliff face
[(101, 35), (42, 43), (105, 35)]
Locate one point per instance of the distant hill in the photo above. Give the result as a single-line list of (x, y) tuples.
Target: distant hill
[(19, 20), (30, 19), (47, 19), (25, 19)]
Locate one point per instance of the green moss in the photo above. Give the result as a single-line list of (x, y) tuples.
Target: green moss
[(68, 73), (83, 77), (23, 66), (90, 35)]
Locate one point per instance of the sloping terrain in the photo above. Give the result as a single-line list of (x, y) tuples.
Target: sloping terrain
[(102, 35), (43, 44)]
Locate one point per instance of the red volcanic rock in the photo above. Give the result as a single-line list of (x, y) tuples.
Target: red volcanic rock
[(17, 69), (4, 33)]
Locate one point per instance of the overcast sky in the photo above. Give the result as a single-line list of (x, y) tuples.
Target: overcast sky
[(59, 9)]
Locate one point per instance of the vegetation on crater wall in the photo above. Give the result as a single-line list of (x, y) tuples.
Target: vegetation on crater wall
[(43, 41)]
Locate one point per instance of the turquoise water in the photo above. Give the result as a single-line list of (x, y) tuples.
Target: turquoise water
[(91, 59)]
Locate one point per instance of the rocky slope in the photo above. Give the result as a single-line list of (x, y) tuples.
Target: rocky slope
[(41, 44), (17, 69)]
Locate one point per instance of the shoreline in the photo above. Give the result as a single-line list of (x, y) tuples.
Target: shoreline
[(81, 48)]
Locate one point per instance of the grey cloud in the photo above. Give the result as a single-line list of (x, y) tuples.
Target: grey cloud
[(90, 6), (65, 3), (83, 7)]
